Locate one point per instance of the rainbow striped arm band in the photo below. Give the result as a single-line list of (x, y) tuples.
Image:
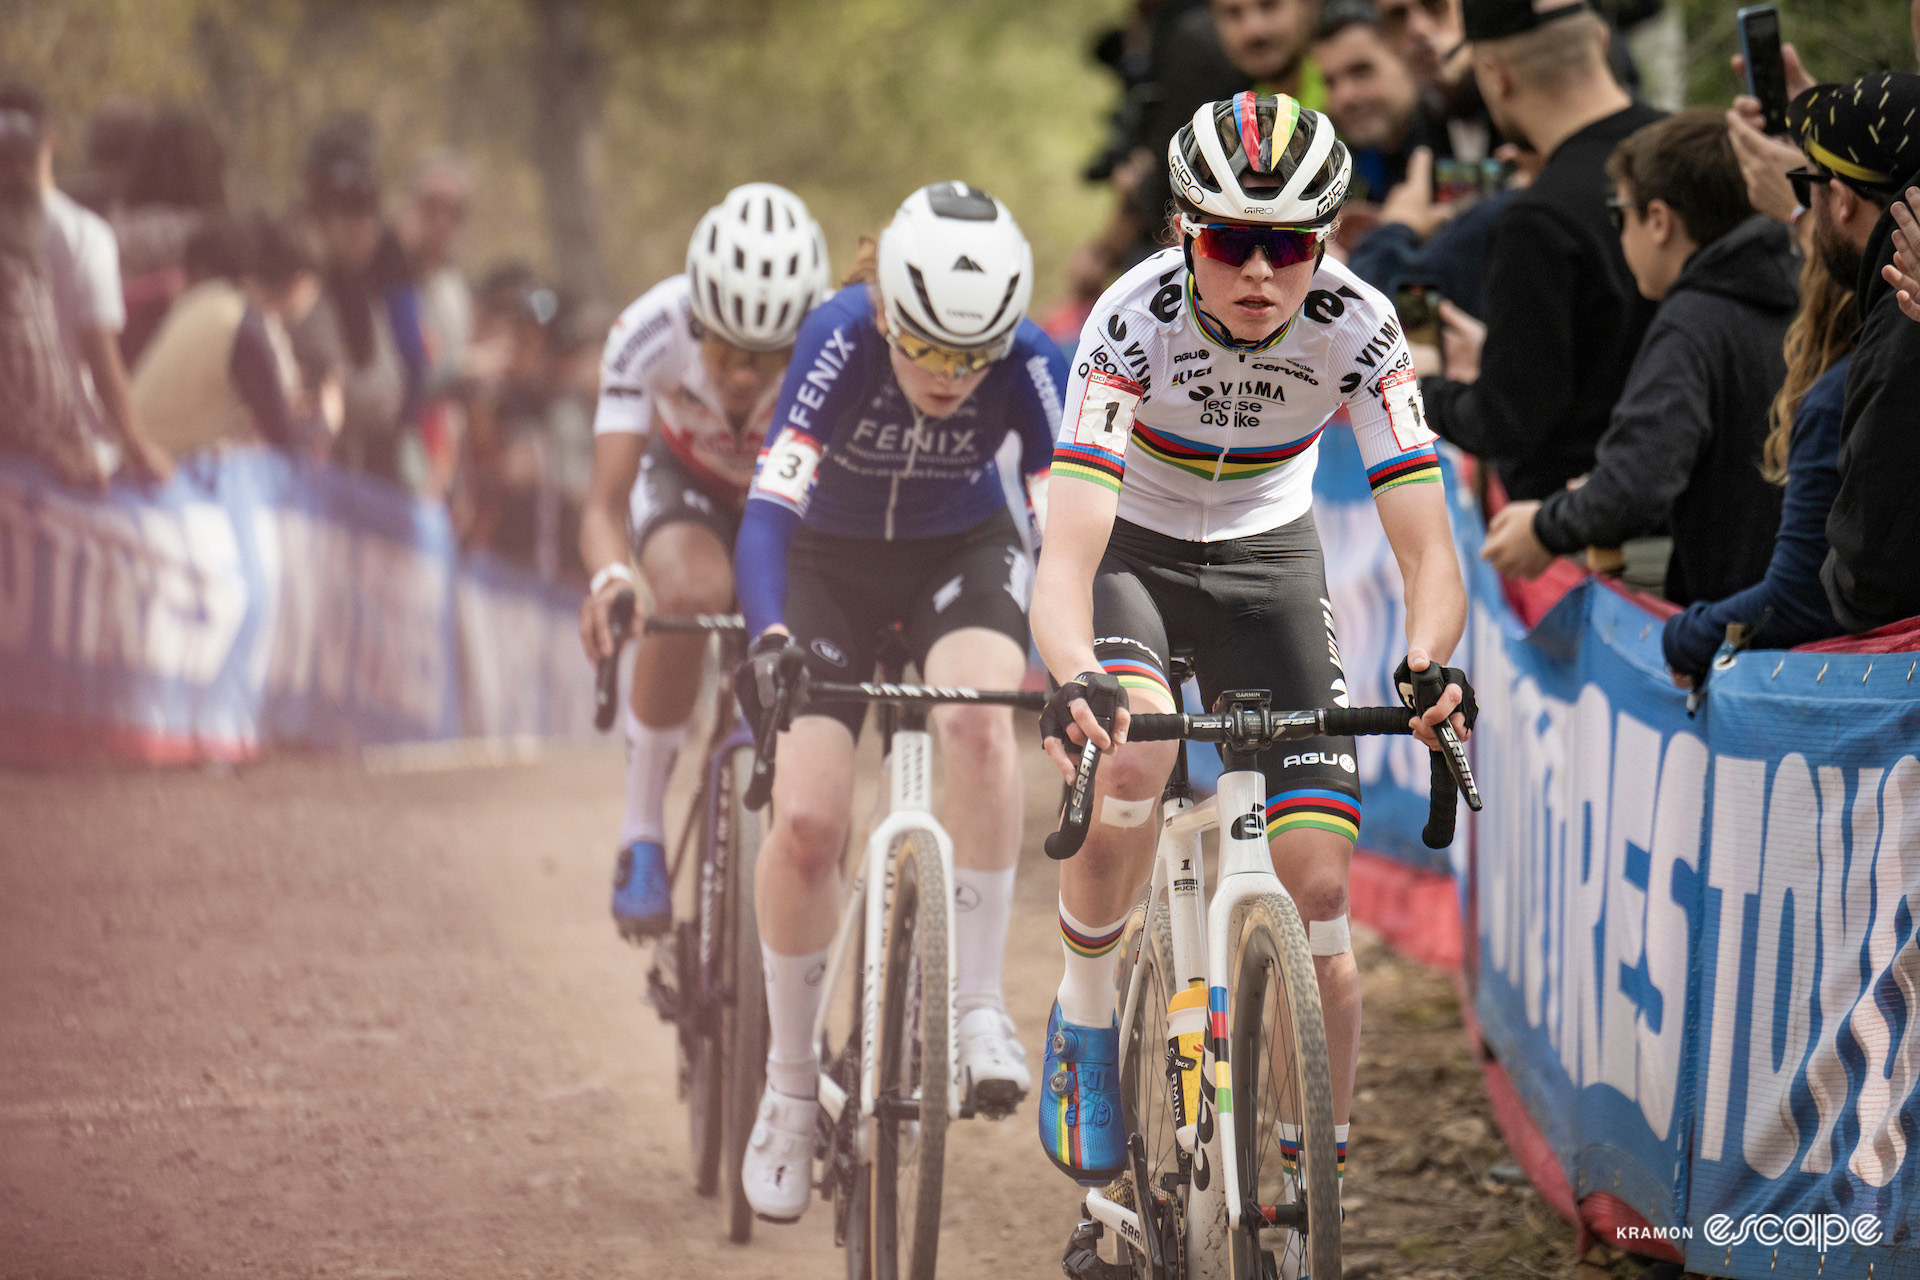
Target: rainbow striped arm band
[(1089, 462), (1416, 466)]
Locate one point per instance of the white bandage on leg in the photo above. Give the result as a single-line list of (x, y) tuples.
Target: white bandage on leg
[(1116, 812), (1329, 937)]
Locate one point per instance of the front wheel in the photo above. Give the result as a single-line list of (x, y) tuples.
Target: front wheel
[(910, 1138), (743, 1008), (1278, 1049), (1150, 1082)]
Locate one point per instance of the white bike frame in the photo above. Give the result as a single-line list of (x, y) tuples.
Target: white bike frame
[(908, 770), (1202, 940)]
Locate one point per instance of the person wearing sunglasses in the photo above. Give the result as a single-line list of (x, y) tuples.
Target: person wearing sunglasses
[(1182, 520), (687, 387), (914, 432)]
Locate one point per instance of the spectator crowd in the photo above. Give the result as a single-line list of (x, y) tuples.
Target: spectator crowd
[(1677, 346), (144, 322)]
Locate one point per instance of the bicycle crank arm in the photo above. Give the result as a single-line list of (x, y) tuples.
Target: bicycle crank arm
[(1117, 1217)]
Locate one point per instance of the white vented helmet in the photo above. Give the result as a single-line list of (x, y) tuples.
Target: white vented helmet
[(954, 269), (1261, 160), (758, 264)]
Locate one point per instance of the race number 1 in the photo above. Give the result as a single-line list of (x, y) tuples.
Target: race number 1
[(1106, 412), (1406, 411), (788, 470)]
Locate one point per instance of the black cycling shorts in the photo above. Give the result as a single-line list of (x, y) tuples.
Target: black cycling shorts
[(842, 593), (1253, 614), (667, 492)]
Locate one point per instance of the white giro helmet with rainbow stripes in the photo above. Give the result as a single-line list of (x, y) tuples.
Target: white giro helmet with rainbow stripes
[(758, 264), (1261, 160)]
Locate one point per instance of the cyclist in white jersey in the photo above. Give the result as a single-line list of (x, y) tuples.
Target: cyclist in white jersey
[(1202, 383), (687, 388)]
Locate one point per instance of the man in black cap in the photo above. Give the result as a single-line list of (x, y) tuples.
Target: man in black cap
[(1862, 142), (1531, 390)]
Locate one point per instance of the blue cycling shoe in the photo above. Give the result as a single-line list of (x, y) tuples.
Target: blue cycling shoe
[(642, 898), (1080, 1122)]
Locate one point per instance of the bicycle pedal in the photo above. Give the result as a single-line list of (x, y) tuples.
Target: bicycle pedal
[(994, 1099), (1082, 1260), (663, 995)]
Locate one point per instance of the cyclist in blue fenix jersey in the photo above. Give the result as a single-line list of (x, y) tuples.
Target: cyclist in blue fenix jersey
[(889, 494)]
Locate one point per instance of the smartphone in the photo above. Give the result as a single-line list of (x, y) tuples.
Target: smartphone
[(1417, 303), (1766, 69)]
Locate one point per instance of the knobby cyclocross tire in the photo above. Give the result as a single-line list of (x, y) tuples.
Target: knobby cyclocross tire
[(910, 1154), (1278, 1044), (859, 1247), (1145, 1097), (853, 1185), (743, 1009), (700, 1029)]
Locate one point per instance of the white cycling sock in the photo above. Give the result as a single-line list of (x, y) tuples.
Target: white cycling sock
[(1086, 988), (794, 992), (650, 753), (982, 905)]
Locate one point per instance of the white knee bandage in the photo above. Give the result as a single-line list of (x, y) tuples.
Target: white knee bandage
[(1125, 813), (1329, 937)]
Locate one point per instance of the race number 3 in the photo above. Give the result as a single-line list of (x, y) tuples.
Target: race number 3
[(788, 470), (1106, 411), (1406, 411)]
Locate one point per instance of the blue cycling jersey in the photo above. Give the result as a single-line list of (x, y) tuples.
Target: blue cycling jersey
[(847, 453)]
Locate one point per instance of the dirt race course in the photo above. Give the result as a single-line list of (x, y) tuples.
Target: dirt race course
[(310, 1020)]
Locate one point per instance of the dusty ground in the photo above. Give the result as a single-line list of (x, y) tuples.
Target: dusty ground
[(309, 1020)]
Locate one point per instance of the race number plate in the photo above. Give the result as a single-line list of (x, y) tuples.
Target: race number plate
[(1406, 411), (788, 470), (1106, 412)]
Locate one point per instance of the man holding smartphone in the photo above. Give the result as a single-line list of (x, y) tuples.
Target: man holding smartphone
[(1531, 389), (1860, 159)]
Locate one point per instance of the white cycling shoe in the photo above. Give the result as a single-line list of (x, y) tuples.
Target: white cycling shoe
[(993, 1065), (777, 1173)]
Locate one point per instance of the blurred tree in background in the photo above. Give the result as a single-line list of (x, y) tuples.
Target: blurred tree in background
[(600, 129), (1837, 39)]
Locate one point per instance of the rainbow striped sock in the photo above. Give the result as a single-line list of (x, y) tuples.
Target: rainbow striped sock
[(1289, 1136), (1086, 987)]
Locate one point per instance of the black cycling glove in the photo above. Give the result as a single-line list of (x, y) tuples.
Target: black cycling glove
[(756, 682), (1103, 695), (1422, 695)]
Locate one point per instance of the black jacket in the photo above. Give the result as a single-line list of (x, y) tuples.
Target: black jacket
[(1872, 574), (1682, 450), (1563, 321)]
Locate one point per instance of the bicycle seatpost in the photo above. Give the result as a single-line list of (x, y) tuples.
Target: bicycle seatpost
[(606, 674)]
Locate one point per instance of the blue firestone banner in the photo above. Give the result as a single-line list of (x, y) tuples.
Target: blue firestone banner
[(1696, 934), (253, 600)]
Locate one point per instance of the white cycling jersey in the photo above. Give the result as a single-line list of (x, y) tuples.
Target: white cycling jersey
[(651, 375), (1205, 442)]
